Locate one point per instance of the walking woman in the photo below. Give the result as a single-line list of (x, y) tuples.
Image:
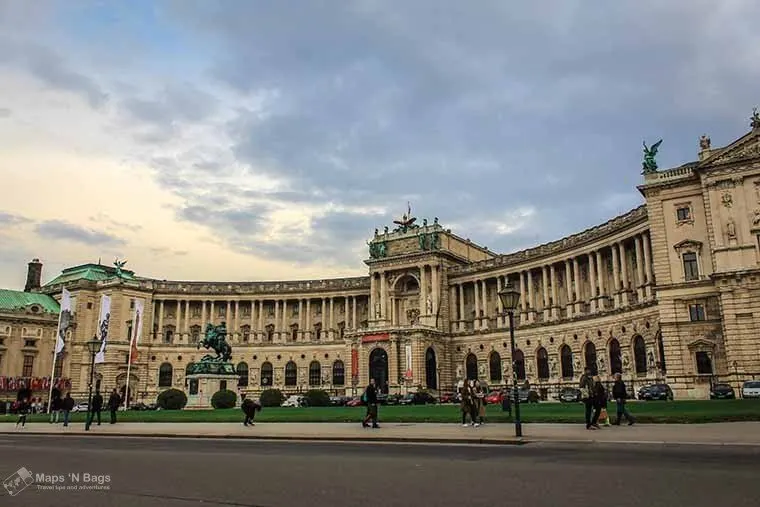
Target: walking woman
[(599, 397), (465, 405), (23, 410)]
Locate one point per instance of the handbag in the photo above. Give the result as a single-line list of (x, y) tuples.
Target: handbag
[(585, 393)]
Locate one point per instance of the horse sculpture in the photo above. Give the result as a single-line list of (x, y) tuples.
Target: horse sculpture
[(215, 339)]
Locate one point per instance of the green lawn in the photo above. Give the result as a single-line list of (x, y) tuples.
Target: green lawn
[(698, 411)]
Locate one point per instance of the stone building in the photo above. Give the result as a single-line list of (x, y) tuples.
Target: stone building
[(669, 291)]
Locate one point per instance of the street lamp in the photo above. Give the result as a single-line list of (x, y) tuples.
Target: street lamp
[(93, 346), (510, 297)]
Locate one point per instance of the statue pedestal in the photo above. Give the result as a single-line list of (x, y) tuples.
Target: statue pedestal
[(202, 386)]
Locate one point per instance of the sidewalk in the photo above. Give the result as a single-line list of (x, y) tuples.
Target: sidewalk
[(738, 433)]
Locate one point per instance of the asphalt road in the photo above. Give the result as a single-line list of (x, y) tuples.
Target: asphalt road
[(183, 472)]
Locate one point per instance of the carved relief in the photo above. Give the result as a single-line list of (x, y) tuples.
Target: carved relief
[(756, 217), (727, 199), (730, 229)]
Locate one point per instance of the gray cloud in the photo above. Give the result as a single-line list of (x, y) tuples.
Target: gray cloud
[(9, 219), (61, 230), (5, 112), (114, 225)]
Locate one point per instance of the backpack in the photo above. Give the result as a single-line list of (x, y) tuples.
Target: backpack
[(364, 397)]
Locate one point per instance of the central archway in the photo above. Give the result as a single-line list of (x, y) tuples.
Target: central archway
[(471, 366), (378, 368)]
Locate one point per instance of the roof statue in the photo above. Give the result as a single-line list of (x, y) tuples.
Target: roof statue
[(704, 142), (407, 221), (119, 264), (754, 120), (650, 164)]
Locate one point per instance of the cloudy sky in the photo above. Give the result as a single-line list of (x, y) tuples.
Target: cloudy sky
[(244, 140)]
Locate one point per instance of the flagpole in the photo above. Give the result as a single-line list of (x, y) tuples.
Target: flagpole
[(55, 355)]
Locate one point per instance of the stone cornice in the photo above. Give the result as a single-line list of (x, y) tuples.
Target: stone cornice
[(633, 217)]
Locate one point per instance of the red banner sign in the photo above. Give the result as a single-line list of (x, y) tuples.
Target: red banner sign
[(14, 384), (354, 363), (380, 337)]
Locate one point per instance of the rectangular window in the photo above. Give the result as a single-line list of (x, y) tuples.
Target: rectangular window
[(28, 366), (131, 304), (690, 268), (29, 343), (696, 312), (58, 373), (704, 363), (683, 214)]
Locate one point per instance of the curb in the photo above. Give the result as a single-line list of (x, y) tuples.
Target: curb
[(283, 438)]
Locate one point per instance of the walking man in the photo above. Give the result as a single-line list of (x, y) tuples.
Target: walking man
[(370, 396), (586, 386), (113, 405), (97, 406), (620, 394), (67, 405)]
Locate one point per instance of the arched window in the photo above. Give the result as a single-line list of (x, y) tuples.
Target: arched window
[(494, 366), (294, 332), (165, 375), (315, 374), (188, 368), (616, 361), (566, 359), (318, 331), (519, 364), (338, 373), (168, 334), (291, 374), (640, 355), (341, 329), (471, 367), (266, 374), (661, 351), (246, 330), (270, 332), (590, 356), (195, 332), (242, 371), (542, 363)]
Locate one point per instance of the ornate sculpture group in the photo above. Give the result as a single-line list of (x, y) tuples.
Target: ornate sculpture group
[(377, 249), (754, 120), (119, 265), (650, 164), (215, 339)]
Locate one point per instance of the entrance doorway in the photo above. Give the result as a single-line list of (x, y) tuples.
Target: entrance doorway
[(431, 366), (378, 368)]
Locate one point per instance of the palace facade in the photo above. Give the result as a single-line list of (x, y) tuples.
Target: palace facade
[(669, 291)]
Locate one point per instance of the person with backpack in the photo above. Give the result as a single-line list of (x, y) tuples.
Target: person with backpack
[(249, 408), (620, 394), (586, 385), (370, 399)]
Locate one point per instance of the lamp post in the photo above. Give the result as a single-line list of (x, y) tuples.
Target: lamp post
[(93, 346), (510, 297)]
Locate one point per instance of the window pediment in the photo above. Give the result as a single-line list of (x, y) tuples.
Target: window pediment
[(701, 344), (687, 245)]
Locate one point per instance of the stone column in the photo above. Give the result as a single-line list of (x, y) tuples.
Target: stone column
[(647, 267), (355, 323), (187, 318), (476, 294), (203, 317), (592, 281), (624, 276), (161, 319), (178, 320), (372, 297), (345, 312), (423, 293), (531, 299), (554, 301), (600, 278), (261, 317), (462, 325), (211, 316), (523, 299), (499, 306), (578, 288), (277, 316), (383, 296), (615, 276), (435, 291), (639, 269), (332, 318), (545, 291), (568, 290), (236, 320), (301, 317), (307, 324), (485, 322), (253, 319)]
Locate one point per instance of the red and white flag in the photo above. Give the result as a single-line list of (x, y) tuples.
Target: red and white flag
[(136, 331)]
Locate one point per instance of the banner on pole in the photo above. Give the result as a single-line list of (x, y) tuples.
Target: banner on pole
[(136, 330), (102, 331), (64, 321)]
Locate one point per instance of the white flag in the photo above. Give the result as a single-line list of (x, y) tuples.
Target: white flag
[(102, 331), (137, 325), (64, 321)]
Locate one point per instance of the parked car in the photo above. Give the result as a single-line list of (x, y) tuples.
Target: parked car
[(722, 392), (447, 398), (80, 407), (338, 401), (495, 397), (569, 395), (528, 396), (751, 389), (421, 398), (143, 406), (356, 402), (393, 399), (656, 392)]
